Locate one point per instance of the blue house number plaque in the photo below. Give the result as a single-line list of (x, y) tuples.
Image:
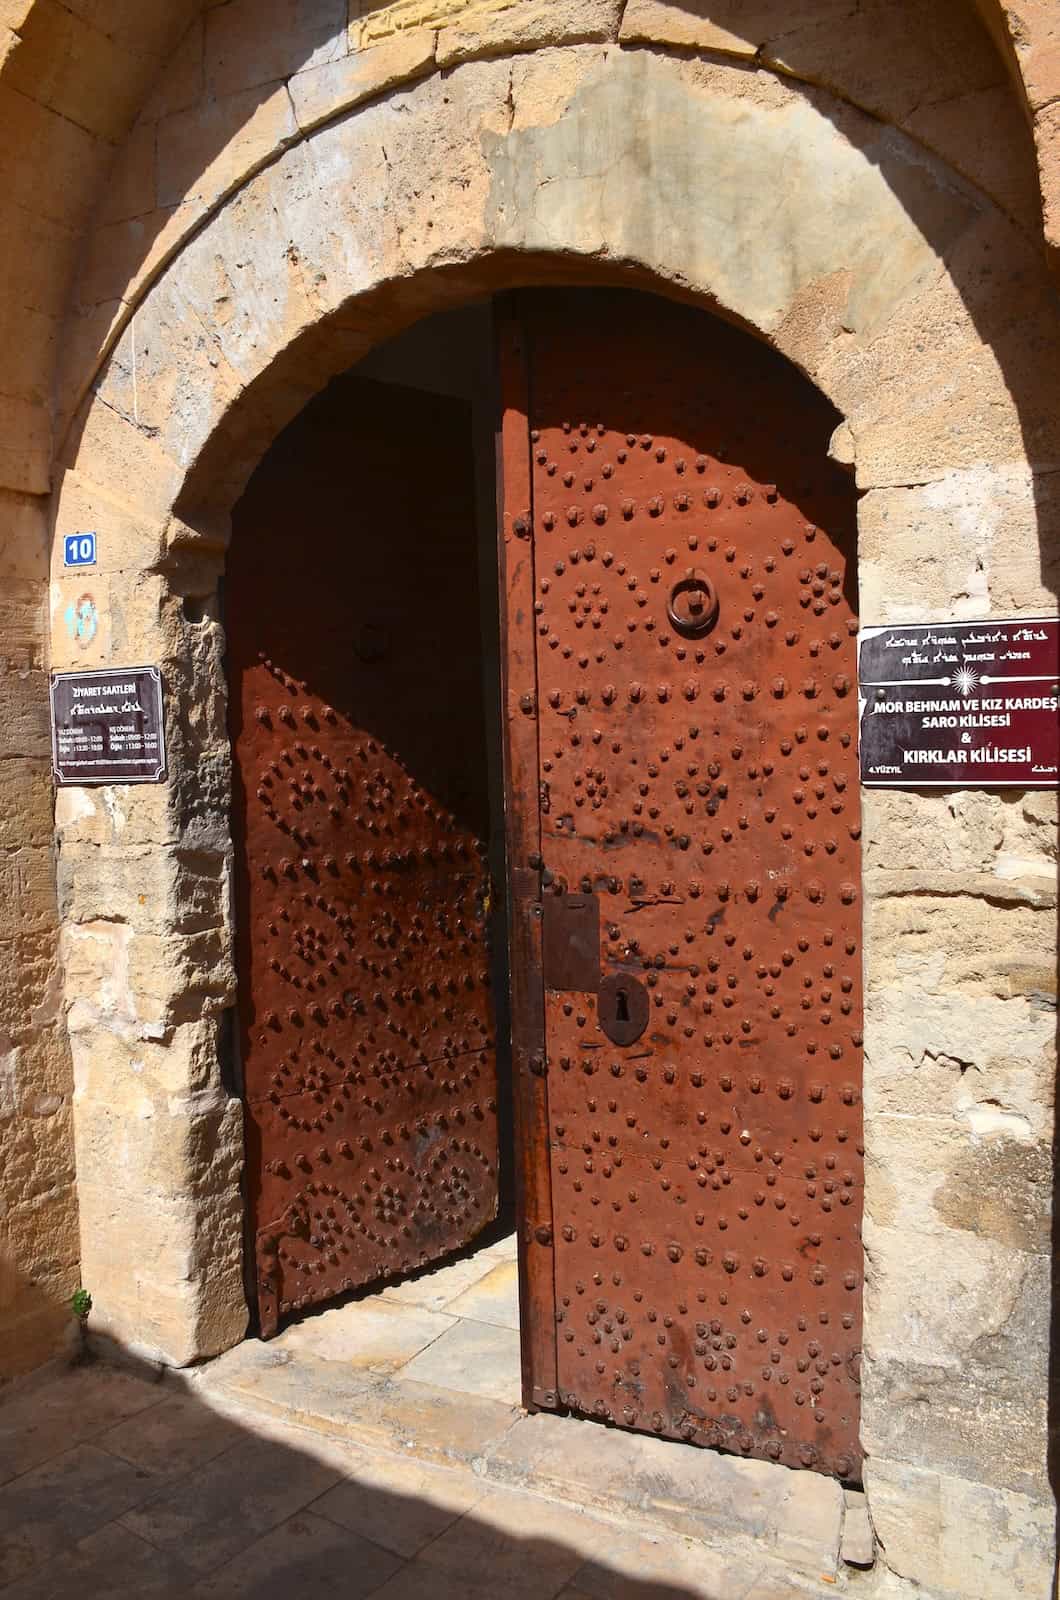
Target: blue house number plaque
[(79, 550)]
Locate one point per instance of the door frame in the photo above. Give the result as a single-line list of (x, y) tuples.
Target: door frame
[(519, 742)]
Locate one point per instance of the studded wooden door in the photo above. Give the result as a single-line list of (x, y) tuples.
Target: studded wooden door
[(688, 869), (361, 810)]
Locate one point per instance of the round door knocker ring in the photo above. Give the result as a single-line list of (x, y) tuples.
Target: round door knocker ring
[(693, 605)]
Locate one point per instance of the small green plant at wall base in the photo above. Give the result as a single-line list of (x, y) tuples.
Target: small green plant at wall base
[(81, 1305)]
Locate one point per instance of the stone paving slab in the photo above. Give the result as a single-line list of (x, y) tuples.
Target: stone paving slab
[(435, 1424), (211, 1515), (435, 1288), (111, 1562), (321, 1395), (505, 1249), (552, 1542), (51, 1507), (700, 1494), (472, 1358), (305, 1556), (373, 1335), (494, 1298), (439, 1425), (38, 1422), (634, 1566), (172, 1438), (401, 1504), (424, 1583)]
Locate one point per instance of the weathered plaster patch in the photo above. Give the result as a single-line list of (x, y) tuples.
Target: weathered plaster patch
[(112, 804), (990, 1120), (975, 540), (9, 1055), (73, 805)]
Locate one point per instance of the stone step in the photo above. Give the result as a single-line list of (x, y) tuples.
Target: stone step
[(793, 1518)]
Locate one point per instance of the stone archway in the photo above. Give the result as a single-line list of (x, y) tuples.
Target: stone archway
[(911, 302)]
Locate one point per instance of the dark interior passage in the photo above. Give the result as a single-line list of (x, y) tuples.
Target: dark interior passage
[(453, 354)]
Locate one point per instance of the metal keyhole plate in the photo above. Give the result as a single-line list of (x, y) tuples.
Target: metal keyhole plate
[(622, 1008)]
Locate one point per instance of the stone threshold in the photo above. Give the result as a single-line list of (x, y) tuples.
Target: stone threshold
[(746, 1509)]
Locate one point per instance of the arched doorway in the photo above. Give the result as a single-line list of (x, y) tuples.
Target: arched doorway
[(681, 821)]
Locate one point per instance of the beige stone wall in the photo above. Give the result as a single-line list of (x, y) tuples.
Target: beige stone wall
[(38, 1209), (888, 278), (1028, 35), (71, 78), (236, 92), (862, 190)]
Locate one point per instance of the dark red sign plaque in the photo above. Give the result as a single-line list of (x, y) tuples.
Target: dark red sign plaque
[(107, 726), (960, 705)]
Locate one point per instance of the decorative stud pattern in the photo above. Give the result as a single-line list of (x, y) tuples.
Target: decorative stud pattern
[(698, 742), (367, 1024)]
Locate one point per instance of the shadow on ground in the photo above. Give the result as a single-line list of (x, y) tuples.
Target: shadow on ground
[(119, 1481)]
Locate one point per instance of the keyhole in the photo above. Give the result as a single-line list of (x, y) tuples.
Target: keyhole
[(624, 1008)]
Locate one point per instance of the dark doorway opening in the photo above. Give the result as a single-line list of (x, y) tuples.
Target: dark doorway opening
[(362, 625), (453, 354)]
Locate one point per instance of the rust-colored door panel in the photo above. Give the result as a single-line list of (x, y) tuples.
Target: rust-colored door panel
[(696, 858), (361, 811)]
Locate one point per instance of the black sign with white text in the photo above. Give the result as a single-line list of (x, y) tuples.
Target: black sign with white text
[(960, 705), (107, 726)]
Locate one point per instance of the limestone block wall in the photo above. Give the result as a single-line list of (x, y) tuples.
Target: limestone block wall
[(961, 968), (916, 297), (38, 1206), (187, 264), (71, 79), (239, 89), (1028, 32)]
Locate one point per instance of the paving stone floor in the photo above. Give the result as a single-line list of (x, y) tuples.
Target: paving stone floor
[(378, 1449)]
